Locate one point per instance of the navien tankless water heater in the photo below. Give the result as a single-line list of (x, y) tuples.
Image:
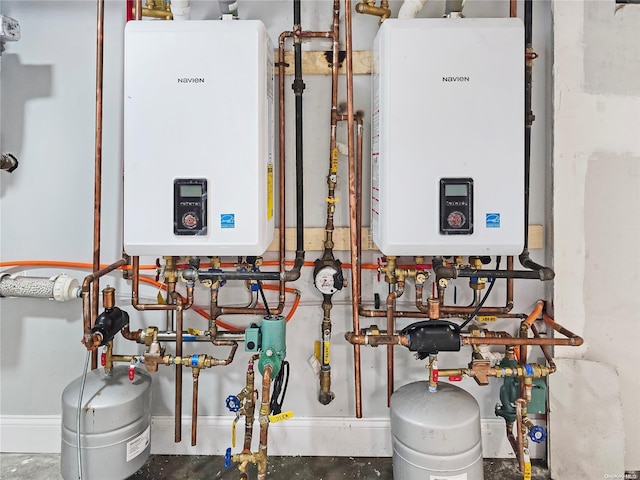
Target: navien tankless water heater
[(448, 137), (198, 146)]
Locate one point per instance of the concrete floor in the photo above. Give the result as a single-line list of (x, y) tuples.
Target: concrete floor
[(182, 467)]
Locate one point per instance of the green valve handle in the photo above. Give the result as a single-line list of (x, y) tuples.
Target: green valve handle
[(273, 349)]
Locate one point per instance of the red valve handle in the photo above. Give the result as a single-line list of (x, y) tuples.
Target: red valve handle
[(103, 359), (132, 372), (455, 378)]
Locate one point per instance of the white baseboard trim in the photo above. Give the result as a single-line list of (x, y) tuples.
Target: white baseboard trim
[(310, 436), (30, 434)]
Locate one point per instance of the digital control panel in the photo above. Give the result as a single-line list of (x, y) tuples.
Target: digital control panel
[(456, 206), (190, 206)]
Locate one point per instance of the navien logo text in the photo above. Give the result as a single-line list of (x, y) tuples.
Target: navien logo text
[(456, 79), (190, 80)]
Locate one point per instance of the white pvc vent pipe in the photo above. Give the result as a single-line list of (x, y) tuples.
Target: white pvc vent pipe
[(181, 9), (411, 8), (60, 288)]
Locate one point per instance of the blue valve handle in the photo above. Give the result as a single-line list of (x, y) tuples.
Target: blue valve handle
[(227, 458), (537, 434), (233, 403)]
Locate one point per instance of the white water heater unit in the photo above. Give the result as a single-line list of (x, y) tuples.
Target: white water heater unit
[(447, 147), (199, 138)]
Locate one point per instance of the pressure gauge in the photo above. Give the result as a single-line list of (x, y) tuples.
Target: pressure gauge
[(328, 280)]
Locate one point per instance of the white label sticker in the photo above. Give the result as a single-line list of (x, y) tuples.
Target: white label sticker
[(138, 445), (448, 477)]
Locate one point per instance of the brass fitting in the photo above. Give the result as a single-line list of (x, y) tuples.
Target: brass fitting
[(433, 373), (393, 274), (475, 263), (108, 365), (481, 370), (108, 297), (389, 270), (215, 262), (150, 335), (368, 8), (171, 270), (434, 308)]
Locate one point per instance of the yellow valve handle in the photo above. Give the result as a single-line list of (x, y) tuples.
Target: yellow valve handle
[(334, 160), (527, 465), (333, 200), (194, 331), (233, 433), (326, 350), (281, 416)]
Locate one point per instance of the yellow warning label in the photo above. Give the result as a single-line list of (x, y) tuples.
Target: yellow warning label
[(326, 353), (281, 416), (334, 160), (527, 471), (487, 318), (269, 191)]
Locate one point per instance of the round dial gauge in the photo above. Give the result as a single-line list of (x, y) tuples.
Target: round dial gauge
[(325, 280)]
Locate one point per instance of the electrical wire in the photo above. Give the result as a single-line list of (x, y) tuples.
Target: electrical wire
[(484, 299), (79, 413), (264, 299), (279, 390)]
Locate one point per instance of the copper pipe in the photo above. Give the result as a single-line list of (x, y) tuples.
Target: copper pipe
[(513, 8), (178, 376), (138, 10), (518, 341), (97, 182), (391, 326), (87, 283), (560, 329), (249, 405), (453, 372), (376, 340), (221, 343), (129, 335), (512, 440), (519, 405), (194, 407), (309, 34), (264, 422), (334, 117), (135, 286), (353, 205)]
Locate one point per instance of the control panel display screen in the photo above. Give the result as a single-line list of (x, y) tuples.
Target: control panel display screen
[(190, 206), (455, 190), (190, 190), (456, 206)]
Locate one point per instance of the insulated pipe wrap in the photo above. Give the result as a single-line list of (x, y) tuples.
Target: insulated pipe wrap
[(411, 8), (60, 288)]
